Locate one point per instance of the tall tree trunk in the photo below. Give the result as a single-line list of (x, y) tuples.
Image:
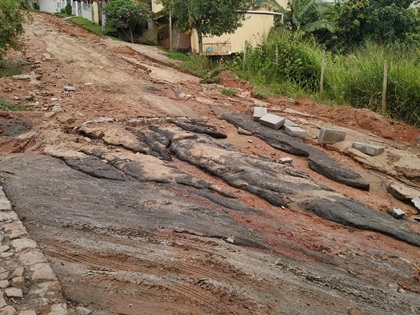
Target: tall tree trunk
[(200, 41)]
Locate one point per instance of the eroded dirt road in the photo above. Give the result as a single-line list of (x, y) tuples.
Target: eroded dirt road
[(133, 179)]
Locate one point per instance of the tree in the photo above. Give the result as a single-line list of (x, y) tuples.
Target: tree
[(11, 19), (208, 17), (305, 15), (127, 16), (382, 21), (390, 20)]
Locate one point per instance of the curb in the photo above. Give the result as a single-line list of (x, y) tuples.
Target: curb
[(28, 285)]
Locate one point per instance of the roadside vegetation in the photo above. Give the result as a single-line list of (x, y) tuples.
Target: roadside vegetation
[(357, 39)]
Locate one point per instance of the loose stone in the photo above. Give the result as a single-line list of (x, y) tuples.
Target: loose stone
[(42, 272), (8, 310), (21, 244), (13, 293), (4, 284)]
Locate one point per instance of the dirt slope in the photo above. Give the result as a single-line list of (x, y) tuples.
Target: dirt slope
[(136, 184)]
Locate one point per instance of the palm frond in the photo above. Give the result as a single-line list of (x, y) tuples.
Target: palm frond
[(320, 25)]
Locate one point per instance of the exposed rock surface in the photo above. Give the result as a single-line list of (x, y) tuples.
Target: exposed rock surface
[(318, 161)]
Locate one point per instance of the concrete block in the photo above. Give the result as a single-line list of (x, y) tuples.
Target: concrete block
[(272, 121), (396, 213), (259, 112), (368, 149), (295, 131), (290, 123), (330, 136)]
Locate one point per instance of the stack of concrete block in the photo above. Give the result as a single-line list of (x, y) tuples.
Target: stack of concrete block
[(272, 121), (277, 122), (259, 112)]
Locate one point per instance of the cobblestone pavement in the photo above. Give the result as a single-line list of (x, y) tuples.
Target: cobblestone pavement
[(28, 285)]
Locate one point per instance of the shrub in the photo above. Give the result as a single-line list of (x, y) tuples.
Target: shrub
[(127, 16), (285, 58), (67, 9), (11, 20)]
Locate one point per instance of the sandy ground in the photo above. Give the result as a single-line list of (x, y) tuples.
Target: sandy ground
[(310, 265)]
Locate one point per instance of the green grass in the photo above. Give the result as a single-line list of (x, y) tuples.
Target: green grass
[(287, 64), (9, 107), (8, 68), (228, 92), (94, 28), (178, 55)]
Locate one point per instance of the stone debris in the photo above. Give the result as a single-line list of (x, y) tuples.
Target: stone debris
[(83, 311), (407, 194), (22, 77), (24, 270), (416, 202), (272, 121), (368, 149), (69, 88), (397, 213), (286, 160), (295, 131), (104, 120), (242, 131), (13, 293), (259, 112), (331, 136)]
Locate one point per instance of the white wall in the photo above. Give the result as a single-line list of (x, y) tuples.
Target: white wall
[(86, 10), (52, 6)]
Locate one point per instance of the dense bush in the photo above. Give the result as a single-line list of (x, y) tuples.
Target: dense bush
[(11, 20), (127, 16), (285, 58)]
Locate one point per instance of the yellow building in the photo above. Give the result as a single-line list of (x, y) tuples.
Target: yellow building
[(255, 29)]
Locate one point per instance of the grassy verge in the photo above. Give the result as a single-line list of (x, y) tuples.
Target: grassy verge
[(94, 28), (287, 64)]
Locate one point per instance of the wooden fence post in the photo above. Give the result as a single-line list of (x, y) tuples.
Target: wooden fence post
[(277, 54), (384, 87), (321, 83)]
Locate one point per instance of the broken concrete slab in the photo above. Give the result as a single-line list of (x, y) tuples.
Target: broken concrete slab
[(259, 112), (397, 213), (331, 136), (295, 131), (272, 121), (403, 192), (369, 149)]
